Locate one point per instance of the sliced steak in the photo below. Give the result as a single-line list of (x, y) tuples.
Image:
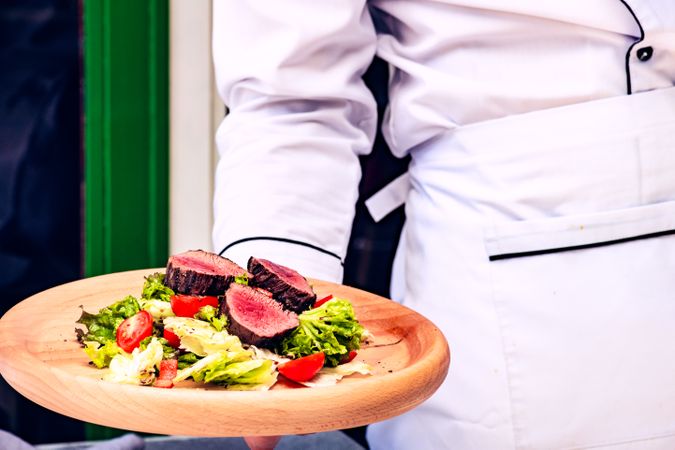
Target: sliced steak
[(198, 272), (256, 317), (286, 285)]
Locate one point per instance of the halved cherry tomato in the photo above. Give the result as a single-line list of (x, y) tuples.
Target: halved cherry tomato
[(172, 337), (168, 368), (133, 330), (349, 357), (188, 305), (322, 301), (303, 369)]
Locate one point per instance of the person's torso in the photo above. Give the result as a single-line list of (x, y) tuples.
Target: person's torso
[(459, 62)]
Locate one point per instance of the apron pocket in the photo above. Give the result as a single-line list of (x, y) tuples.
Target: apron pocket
[(533, 237), (588, 335)]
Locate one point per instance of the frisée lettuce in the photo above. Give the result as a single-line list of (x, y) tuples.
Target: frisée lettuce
[(101, 355), (154, 288), (331, 328), (210, 315), (102, 326), (155, 297)]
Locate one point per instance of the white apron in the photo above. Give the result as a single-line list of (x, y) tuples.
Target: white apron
[(541, 244)]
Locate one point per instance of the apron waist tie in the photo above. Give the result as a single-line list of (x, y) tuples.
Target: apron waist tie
[(390, 197)]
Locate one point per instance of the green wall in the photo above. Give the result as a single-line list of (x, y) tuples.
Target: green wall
[(126, 155), (126, 150)]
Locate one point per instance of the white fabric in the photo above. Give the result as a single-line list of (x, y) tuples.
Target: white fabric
[(299, 117), (539, 344), (538, 235), (389, 198), (313, 264), (290, 74)]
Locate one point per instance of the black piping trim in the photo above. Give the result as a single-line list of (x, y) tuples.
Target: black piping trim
[(580, 247), (280, 239), (629, 86)]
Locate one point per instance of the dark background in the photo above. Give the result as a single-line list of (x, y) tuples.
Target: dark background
[(39, 175), (41, 180)]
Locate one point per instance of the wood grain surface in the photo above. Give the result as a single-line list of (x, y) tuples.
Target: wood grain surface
[(42, 360)]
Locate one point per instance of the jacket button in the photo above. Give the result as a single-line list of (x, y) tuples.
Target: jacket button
[(645, 53)]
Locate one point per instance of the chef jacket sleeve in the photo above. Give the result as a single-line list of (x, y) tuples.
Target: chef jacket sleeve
[(299, 117)]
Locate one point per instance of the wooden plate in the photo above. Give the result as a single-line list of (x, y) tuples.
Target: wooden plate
[(42, 360)]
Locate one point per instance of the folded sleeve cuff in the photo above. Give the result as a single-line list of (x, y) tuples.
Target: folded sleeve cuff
[(309, 261)]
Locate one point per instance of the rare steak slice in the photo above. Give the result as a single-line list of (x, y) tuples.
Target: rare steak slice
[(198, 272), (256, 317), (286, 285)]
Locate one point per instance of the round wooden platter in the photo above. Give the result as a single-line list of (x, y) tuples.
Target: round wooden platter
[(42, 360)]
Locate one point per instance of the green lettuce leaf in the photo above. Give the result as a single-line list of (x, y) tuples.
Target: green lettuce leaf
[(187, 359), (241, 279), (210, 314), (101, 355), (331, 328), (234, 369), (154, 288), (101, 327), (168, 351)]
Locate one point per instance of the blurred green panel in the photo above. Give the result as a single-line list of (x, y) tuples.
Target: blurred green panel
[(126, 134), (126, 155)]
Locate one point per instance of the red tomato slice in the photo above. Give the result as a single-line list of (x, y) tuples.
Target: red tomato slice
[(322, 301), (349, 357), (188, 305), (303, 369), (133, 330), (168, 368), (172, 337)]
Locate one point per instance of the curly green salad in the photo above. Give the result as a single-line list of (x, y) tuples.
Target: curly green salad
[(156, 341)]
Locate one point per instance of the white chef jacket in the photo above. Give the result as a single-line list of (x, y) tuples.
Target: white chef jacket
[(290, 72), (300, 115)]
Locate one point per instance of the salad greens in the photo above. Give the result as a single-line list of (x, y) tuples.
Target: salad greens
[(101, 355), (169, 351), (154, 288), (331, 328), (158, 309), (210, 315), (201, 338), (207, 352), (187, 359), (102, 326), (241, 279), (139, 367), (232, 368), (225, 361), (155, 297)]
